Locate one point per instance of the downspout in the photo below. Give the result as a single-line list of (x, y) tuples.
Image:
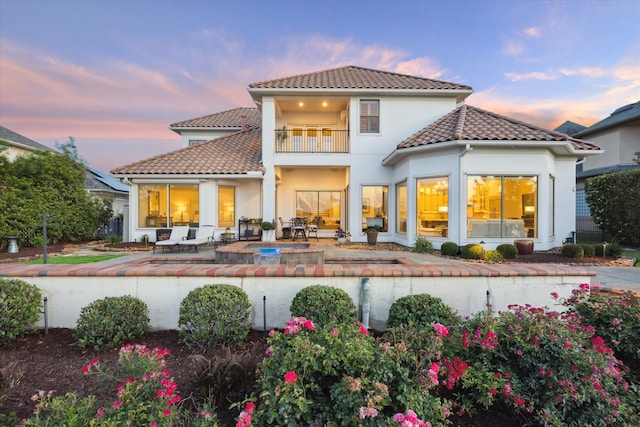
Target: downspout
[(467, 148), (366, 306)]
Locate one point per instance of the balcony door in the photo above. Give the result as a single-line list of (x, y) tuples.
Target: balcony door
[(310, 139)]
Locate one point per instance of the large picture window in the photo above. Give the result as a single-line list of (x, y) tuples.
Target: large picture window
[(502, 206), (163, 206), (432, 204), (375, 205), (226, 206), (324, 205), (369, 116)]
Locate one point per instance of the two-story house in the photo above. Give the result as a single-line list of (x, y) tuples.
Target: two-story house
[(354, 148)]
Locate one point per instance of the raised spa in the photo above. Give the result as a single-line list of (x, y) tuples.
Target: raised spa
[(268, 253)]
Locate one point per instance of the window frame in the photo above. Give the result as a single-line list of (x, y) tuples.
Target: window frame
[(369, 118)]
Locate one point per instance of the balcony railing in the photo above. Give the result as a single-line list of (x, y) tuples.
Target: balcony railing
[(312, 141)]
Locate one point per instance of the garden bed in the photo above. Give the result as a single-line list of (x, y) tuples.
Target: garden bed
[(51, 362)]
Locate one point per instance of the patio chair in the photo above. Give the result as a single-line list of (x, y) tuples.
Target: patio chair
[(313, 227), (286, 228), (204, 236), (299, 227), (178, 233)]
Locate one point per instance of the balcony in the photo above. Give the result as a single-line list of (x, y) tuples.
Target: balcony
[(311, 141)]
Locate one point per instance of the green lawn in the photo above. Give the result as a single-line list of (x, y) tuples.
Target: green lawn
[(634, 253), (74, 259)]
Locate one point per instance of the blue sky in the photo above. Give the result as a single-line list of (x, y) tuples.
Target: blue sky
[(114, 74)]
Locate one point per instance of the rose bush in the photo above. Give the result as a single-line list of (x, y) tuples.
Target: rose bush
[(548, 367)]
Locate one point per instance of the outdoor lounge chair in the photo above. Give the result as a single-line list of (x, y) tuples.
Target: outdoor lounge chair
[(204, 236), (178, 234)]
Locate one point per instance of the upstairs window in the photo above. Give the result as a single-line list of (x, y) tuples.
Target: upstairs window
[(369, 116)]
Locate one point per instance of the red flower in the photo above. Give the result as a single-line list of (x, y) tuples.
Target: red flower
[(363, 330), (290, 377)]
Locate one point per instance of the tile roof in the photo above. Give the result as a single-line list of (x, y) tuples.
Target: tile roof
[(622, 115), (235, 154), (469, 123), (352, 77), (225, 119)]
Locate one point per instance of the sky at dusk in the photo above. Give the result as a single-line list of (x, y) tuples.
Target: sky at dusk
[(114, 74)]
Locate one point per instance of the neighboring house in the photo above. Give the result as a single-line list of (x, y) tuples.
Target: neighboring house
[(96, 183), (355, 148), (619, 137)]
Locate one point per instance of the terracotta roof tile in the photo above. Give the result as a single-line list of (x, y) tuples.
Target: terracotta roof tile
[(352, 77), (225, 119), (474, 124), (234, 154)]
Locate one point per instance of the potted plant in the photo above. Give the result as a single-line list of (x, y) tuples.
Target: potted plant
[(342, 236), (269, 231), (281, 135), (372, 234)]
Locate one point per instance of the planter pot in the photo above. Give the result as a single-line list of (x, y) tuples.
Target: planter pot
[(342, 240), (268, 235), (524, 246), (372, 238)]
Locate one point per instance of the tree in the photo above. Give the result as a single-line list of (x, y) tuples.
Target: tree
[(70, 150), (49, 183), (614, 201)]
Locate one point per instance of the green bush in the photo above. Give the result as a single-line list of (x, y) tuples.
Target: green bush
[(614, 202), (19, 308), (213, 314), (423, 245), (111, 322), (493, 256), (472, 251), (572, 250), (420, 311), (323, 304), (449, 249), (588, 250), (614, 250), (507, 250)]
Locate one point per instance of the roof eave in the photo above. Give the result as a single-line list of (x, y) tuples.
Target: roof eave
[(178, 129), (197, 176), (595, 129), (258, 93), (560, 148)]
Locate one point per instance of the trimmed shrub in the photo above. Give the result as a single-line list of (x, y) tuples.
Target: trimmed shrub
[(472, 251), (614, 250), (423, 245), (19, 308), (324, 304), (213, 314), (572, 250), (589, 250), (507, 250), (493, 256), (111, 322), (420, 311), (449, 249)]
